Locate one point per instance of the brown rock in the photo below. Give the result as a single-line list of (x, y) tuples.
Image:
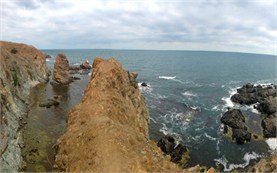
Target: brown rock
[(61, 70), (211, 170), (85, 65), (114, 137), (265, 165)]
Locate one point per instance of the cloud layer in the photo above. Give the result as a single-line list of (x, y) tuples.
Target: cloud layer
[(243, 26)]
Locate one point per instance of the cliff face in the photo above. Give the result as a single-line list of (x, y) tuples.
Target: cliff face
[(108, 130), (21, 67)]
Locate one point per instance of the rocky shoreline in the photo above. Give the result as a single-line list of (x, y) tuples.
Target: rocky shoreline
[(21, 68), (110, 125)]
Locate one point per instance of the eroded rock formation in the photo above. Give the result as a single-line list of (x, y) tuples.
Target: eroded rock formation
[(21, 68), (108, 130), (61, 70)]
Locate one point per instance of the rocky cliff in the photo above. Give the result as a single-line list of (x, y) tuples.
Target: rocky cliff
[(108, 130), (21, 67)]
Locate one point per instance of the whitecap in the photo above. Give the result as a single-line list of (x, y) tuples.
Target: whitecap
[(167, 77), (210, 137), (227, 100), (189, 94), (216, 108), (247, 157), (47, 60), (272, 143)]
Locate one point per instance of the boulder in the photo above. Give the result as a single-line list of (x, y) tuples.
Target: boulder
[(49, 103), (47, 56), (178, 153), (269, 127), (234, 118), (241, 135), (268, 105), (144, 84), (61, 70), (265, 165), (85, 65)]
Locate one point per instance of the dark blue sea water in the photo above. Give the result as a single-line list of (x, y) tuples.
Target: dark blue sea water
[(188, 92)]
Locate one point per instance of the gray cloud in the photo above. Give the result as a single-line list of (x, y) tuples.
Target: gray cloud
[(246, 26)]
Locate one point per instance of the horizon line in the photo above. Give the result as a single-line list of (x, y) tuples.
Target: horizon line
[(267, 54)]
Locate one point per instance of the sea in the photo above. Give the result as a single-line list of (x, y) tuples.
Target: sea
[(187, 93)]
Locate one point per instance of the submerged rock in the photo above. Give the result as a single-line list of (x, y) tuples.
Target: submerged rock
[(21, 68), (108, 130), (61, 70), (49, 103)]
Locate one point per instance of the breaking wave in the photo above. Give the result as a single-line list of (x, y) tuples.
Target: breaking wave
[(230, 166)]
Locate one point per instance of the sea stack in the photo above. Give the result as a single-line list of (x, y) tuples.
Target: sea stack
[(61, 70), (108, 130), (21, 68)]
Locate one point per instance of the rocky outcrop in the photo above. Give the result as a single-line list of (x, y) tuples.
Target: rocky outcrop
[(108, 130), (265, 165), (266, 100), (250, 94), (178, 153), (235, 120), (61, 70), (21, 68)]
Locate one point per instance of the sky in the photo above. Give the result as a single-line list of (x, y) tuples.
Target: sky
[(213, 25)]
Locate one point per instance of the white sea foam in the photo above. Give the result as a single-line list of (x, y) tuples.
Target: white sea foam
[(217, 147), (227, 100), (216, 108), (230, 166), (47, 60), (272, 143), (147, 89), (167, 77), (189, 94), (209, 137)]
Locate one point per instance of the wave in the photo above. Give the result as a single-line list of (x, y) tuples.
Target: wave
[(47, 60), (227, 100), (167, 77), (189, 94), (209, 137), (146, 89), (216, 108), (272, 143), (247, 157)]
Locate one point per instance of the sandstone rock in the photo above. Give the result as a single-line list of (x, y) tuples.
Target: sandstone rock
[(265, 165), (21, 68), (61, 70), (108, 130)]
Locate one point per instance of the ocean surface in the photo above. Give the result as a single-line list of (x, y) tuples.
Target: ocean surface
[(187, 93)]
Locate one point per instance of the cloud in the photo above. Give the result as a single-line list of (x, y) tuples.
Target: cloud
[(245, 26)]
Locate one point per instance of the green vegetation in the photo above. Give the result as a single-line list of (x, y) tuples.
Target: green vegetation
[(13, 51), (15, 79)]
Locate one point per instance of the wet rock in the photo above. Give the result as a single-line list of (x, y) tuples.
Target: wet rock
[(234, 118), (178, 153), (61, 70), (268, 106), (144, 84), (47, 56), (167, 144), (85, 65), (241, 136), (269, 127), (75, 78)]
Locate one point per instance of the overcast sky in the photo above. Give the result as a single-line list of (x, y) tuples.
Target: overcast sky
[(221, 25)]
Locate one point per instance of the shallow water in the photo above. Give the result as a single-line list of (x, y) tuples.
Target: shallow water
[(45, 125), (188, 93)]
